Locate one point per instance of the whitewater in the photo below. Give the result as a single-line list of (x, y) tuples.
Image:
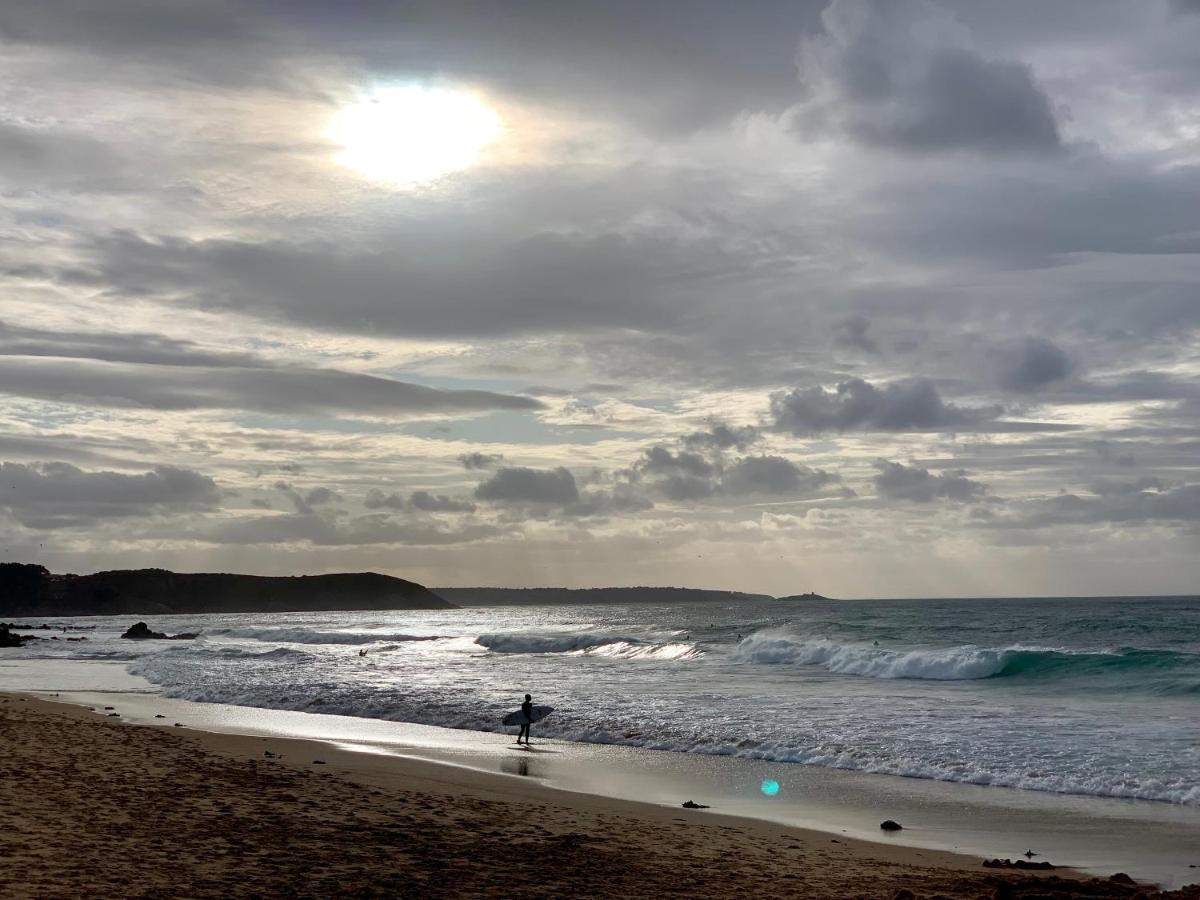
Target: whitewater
[(1081, 696)]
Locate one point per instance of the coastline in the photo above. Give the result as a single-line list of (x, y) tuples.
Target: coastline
[(467, 816)]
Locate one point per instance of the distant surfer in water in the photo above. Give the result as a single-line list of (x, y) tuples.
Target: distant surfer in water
[(527, 709)]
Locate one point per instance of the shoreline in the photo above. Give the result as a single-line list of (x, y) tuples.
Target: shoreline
[(458, 824), (1152, 842)]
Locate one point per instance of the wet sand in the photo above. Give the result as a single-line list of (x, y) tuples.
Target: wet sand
[(94, 806)]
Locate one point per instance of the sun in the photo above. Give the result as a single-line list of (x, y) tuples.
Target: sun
[(411, 134)]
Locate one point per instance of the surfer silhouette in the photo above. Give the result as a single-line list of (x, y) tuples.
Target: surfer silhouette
[(527, 709)]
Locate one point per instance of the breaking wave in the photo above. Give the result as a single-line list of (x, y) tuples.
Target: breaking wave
[(590, 643), (964, 663)]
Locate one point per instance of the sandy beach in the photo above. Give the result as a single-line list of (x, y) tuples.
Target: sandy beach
[(98, 807)]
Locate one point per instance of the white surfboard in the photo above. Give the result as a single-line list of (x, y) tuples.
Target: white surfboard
[(519, 718)]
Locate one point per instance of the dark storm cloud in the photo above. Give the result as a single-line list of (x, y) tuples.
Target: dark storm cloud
[(858, 405), (900, 482), (516, 484), (279, 390), (1030, 364), (60, 495), (902, 75)]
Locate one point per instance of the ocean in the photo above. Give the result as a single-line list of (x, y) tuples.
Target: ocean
[(1080, 696)]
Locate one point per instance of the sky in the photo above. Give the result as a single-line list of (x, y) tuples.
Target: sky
[(890, 298)]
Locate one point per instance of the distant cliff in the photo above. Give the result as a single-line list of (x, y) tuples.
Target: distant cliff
[(482, 596), (29, 590), (809, 596)]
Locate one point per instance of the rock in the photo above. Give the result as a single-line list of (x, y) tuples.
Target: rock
[(691, 804), (1019, 864), (159, 716), (889, 825), (904, 894), (114, 715), (140, 631), (318, 762), (8, 639), (1121, 878), (107, 708), (178, 724)]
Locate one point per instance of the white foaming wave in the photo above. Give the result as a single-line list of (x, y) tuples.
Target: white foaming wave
[(625, 650), (307, 636), (774, 646), (590, 643), (834, 756)]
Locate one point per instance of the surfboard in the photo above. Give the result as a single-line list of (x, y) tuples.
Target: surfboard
[(518, 717)]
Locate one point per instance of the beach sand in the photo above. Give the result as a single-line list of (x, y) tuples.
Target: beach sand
[(96, 807)]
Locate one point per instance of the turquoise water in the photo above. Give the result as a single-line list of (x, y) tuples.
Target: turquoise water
[(1082, 696)]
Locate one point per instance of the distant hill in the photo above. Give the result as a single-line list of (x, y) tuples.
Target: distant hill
[(30, 590), (483, 596), (804, 597)]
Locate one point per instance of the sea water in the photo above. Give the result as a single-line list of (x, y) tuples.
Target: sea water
[(1081, 696)]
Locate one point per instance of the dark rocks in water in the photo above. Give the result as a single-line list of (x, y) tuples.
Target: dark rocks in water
[(1121, 878), (107, 708), (318, 762), (159, 716), (114, 715), (8, 639), (140, 631), (1019, 864), (690, 804), (889, 825), (904, 894)]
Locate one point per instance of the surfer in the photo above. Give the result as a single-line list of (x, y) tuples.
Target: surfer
[(527, 710)]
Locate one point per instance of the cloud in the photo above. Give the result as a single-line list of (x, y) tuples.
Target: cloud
[(373, 528), (427, 502), (661, 460), (294, 390), (903, 75), (1029, 364), (480, 460), (515, 484), (53, 157), (900, 482), (857, 405), (722, 436), (852, 332), (1131, 504), (60, 495), (376, 499), (773, 475)]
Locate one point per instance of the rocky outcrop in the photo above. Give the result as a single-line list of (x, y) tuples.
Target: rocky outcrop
[(27, 590), (140, 631), (8, 639)]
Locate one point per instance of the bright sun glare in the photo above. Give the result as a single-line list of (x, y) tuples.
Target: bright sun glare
[(413, 134)]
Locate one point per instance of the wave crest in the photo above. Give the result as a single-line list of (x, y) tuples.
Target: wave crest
[(590, 643), (964, 663)]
